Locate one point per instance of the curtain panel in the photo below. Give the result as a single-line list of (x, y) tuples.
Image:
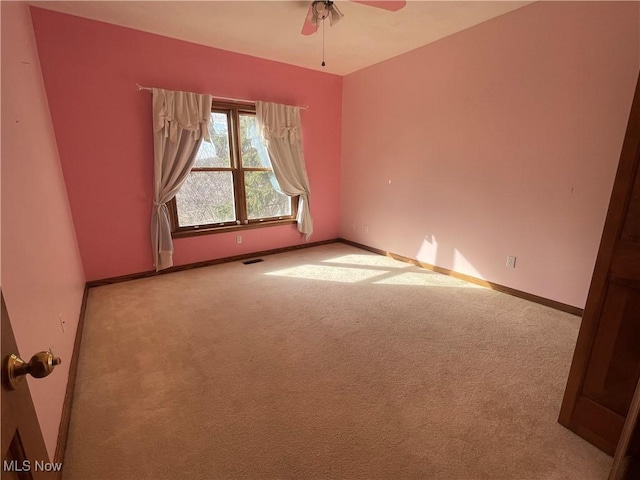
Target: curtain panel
[(180, 124), (281, 130)]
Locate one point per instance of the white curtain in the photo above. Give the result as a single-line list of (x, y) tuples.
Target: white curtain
[(180, 123), (282, 131)]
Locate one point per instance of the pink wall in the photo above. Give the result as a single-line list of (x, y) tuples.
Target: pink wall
[(500, 140), (104, 135), (41, 269)]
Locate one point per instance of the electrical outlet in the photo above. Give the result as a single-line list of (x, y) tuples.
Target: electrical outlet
[(511, 262), (366, 229), (353, 225), (238, 238)]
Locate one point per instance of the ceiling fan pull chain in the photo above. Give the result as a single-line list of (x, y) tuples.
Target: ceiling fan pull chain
[(323, 64)]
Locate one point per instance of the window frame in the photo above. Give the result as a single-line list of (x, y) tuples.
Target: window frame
[(233, 110)]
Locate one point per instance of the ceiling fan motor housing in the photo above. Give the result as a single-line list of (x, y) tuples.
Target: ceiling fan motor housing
[(321, 9)]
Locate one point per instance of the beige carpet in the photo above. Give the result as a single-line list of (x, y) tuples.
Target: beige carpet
[(323, 363)]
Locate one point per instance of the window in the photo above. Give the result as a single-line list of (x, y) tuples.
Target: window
[(231, 185)]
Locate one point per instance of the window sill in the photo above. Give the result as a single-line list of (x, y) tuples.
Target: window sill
[(195, 232)]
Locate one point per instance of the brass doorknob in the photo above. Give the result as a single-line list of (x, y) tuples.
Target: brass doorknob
[(40, 365)]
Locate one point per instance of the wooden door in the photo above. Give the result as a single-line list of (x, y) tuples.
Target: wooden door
[(606, 362), (22, 442)]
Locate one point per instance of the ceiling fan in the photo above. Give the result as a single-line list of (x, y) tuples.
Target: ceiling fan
[(319, 10)]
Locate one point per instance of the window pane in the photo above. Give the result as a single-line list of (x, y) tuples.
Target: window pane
[(263, 196), (216, 153), (253, 151), (206, 197)]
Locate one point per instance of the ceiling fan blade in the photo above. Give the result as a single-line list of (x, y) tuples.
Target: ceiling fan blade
[(309, 28), (334, 15), (390, 5)]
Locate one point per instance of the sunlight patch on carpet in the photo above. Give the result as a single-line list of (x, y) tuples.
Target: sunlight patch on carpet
[(425, 279), (369, 260), (328, 274)]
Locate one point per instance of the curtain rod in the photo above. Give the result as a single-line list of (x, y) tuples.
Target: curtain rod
[(140, 87)]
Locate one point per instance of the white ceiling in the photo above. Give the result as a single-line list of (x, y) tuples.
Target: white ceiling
[(271, 29)]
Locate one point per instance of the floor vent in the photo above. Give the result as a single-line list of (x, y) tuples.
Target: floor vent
[(255, 260)]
